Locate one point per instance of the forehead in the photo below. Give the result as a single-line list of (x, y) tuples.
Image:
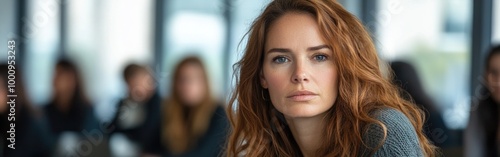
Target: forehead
[(190, 69), (294, 29)]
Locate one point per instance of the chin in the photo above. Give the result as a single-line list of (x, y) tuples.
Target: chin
[(301, 110), (496, 98)]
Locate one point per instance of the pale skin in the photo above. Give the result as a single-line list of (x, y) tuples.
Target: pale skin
[(493, 77), (301, 76), (192, 84)]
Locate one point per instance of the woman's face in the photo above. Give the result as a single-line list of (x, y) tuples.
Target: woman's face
[(64, 81), (191, 85), (493, 77), (299, 69)]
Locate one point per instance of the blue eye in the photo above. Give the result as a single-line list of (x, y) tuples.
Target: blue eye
[(320, 58), (280, 59)]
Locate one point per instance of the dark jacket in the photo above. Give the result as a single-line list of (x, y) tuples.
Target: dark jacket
[(79, 117), (482, 130), (32, 137), (139, 133)]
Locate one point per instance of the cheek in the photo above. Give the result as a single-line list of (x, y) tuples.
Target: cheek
[(62, 84), (192, 90), (187, 89), (327, 82), (494, 88), (147, 82), (277, 80), (493, 82), (199, 89)]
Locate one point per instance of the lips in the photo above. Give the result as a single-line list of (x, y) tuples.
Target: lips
[(301, 96)]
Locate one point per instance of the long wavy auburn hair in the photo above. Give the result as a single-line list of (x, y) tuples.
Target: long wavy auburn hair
[(182, 126), (258, 129)]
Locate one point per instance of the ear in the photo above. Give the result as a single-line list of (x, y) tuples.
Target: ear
[(263, 81)]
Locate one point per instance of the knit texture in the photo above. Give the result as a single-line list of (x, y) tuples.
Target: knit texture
[(401, 139)]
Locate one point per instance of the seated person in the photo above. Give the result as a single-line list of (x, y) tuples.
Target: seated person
[(192, 124), (482, 136), (30, 131), (69, 114), (139, 112)]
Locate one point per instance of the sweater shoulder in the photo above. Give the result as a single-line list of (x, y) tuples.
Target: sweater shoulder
[(399, 137)]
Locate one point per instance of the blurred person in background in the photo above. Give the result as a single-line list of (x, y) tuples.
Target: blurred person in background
[(482, 135), (32, 137), (139, 113), (407, 78), (193, 124), (69, 113)]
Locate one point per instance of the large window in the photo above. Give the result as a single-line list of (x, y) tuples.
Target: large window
[(434, 36), (194, 28), (41, 36), (244, 13), (496, 23), (103, 36)]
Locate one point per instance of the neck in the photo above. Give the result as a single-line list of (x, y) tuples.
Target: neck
[(307, 132)]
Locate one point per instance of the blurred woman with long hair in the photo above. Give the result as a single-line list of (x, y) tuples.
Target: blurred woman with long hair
[(310, 84), (23, 127), (193, 124), (70, 109), (482, 135)]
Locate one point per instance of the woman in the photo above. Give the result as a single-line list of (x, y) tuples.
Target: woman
[(192, 124), (69, 110), (482, 136), (406, 78), (70, 115), (310, 84), (30, 134)]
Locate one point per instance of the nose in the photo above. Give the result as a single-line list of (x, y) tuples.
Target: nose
[(300, 74)]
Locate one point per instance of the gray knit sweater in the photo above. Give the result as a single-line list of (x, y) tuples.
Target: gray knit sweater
[(401, 139)]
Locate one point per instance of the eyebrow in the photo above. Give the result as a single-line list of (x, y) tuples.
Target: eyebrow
[(318, 48), (285, 50)]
